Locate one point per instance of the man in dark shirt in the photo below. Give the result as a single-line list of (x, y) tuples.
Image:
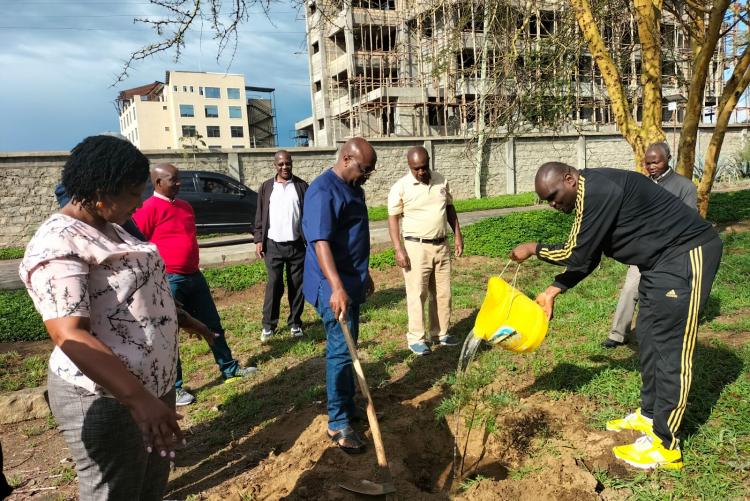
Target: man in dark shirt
[(279, 242), (337, 278), (656, 163), (624, 215)]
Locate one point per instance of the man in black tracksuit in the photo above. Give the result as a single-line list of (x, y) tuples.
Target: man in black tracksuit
[(626, 216), (279, 241)]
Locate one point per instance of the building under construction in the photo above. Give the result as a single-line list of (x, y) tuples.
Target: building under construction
[(423, 68)]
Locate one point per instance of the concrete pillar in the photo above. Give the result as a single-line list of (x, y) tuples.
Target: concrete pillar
[(233, 167), (581, 152), (430, 151), (510, 162)]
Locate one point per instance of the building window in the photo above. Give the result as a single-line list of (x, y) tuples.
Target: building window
[(237, 131), (214, 147), (166, 129), (233, 93), (318, 86), (212, 111), (321, 123), (235, 112), (200, 90), (237, 146), (212, 131), (191, 88), (184, 88), (174, 88), (315, 47), (213, 93), (164, 108), (187, 110), (188, 130)]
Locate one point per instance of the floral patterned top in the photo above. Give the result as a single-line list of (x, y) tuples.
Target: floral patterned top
[(70, 269)]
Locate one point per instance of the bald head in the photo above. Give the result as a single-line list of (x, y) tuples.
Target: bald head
[(282, 160), (656, 159), (166, 180), (419, 163), (357, 159), (557, 184)]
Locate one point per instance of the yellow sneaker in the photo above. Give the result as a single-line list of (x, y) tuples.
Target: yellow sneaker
[(635, 421), (647, 453)]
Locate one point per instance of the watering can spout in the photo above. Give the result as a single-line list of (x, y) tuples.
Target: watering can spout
[(509, 319)]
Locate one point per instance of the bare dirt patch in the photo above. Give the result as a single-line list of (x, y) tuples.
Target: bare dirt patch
[(544, 449)]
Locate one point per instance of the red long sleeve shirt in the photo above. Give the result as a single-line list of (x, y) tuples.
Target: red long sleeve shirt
[(171, 226)]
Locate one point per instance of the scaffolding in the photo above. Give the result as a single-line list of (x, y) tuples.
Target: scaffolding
[(261, 117), (383, 68)]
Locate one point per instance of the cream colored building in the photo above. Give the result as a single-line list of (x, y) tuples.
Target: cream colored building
[(189, 109)]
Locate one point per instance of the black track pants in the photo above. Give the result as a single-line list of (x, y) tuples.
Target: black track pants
[(671, 298)]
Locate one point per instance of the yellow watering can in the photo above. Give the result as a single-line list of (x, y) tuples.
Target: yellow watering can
[(510, 319)]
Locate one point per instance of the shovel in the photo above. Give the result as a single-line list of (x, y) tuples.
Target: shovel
[(367, 487)]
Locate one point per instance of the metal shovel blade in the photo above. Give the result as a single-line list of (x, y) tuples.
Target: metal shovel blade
[(369, 488)]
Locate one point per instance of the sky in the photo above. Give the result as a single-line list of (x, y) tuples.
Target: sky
[(59, 62)]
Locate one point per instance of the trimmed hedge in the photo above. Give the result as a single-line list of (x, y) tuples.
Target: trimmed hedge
[(729, 207), (496, 236), (11, 253), (380, 213), (236, 277), (19, 321)]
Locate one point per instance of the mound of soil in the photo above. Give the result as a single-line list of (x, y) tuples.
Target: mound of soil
[(546, 441)]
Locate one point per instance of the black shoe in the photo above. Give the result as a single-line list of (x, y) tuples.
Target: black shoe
[(611, 343)]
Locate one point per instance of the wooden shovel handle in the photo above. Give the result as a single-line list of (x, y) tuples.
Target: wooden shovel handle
[(371, 416)]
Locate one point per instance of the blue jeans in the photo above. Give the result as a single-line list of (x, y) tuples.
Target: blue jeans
[(193, 293), (339, 373)]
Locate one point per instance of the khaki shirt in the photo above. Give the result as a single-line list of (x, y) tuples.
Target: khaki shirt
[(422, 205)]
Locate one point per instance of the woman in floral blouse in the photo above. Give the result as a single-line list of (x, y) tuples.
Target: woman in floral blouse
[(106, 304)]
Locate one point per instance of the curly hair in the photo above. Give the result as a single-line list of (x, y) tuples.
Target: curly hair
[(103, 165)]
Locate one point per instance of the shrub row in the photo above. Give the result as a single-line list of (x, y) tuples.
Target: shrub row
[(19, 321), (492, 237), (11, 253), (380, 213)]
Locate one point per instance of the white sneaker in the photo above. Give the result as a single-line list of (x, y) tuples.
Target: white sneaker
[(296, 331), (265, 335)]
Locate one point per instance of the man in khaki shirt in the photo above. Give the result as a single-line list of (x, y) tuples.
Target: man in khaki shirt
[(422, 202)]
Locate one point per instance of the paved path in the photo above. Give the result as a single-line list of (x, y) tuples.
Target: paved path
[(241, 249)]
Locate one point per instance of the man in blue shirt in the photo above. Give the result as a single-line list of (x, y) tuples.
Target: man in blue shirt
[(336, 278)]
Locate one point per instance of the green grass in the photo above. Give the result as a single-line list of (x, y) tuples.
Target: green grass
[(18, 372), (11, 253), (569, 364), (237, 276), (380, 213)]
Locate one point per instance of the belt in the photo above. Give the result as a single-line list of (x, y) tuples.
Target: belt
[(433, 241)]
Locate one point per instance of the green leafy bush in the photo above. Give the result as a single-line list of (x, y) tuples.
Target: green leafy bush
[(729, 207), (380, 213), (496, 236), (19, 321), (384, 259), (11, 253), (236, 277)]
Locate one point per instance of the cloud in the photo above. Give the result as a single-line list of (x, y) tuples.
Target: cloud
[(60, 64)]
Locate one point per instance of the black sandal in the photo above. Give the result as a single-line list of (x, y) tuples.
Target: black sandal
[(348, 433)]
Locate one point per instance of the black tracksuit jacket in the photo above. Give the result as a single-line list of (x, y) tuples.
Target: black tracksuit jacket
[(625, 216)]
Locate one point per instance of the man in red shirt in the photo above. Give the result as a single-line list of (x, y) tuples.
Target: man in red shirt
[(169, 223)]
